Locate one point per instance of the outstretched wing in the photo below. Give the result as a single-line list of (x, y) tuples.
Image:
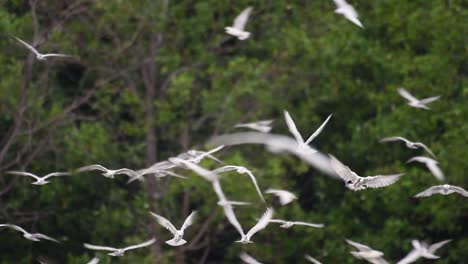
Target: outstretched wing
[(429, 99), (343, 171), (382, 180), (42, 236), (242, 18), (22, 173), (435, 170), (126, 171), (189, 221), (94, 247), (312, 260), (56, 174), (391, 139), (165, 223), (55, 55), (405, 94), (432, 248), (430, 191), (91, 167), (254, 181), (231, 216), (279, 221), (94, 261), (31, 48), (208, 175), (292, 127), (309, 224), (144, 244), (248, 259), (357, 245), (318, 131), (15, 227), (419, 144), (459, 190), (262, 223)]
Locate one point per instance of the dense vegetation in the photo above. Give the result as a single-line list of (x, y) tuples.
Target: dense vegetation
[(151, 79)]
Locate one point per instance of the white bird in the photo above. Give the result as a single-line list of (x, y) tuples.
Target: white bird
[(261, 224), (293, 129), (30, 236), (422, 249), (263, 126), (40, 56), (39, 180), (409, 144), (248, 259), (117, 252), (348, 11), (94, 261), (196, 155), (431, 165), (237, 30), (241, 170), (288, 224), (311, 259), (356, 183), (107, 173), (367, 253), (442, 189), (415, 102), (285, 197), (178, 234)]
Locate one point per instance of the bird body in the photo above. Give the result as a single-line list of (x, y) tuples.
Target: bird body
[(415, 102), (177, 240), (30, 236), (348, 11)]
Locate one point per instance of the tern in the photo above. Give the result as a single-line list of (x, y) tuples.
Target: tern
[(445, 189), (107, 173), (39, 180), (348, 11), (288, 224), (285, 197), (261, 224), (30, 236), (118, 252), (263, 126), (431, 165), (237, 30), (356, 183), (39, 56), (196, 155), (415, 102), (311, 259), (422, 249), (241, 170), (293, 129), (248, 259), (409, 144), (178, 234), (367, 253)]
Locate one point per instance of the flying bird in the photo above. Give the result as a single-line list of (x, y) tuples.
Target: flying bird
[(263, 126), (30, 236), (118, 252), (196, 155), (248, 259), (367, 253), (442, 189), (39, 180), (356, 183), (348, 11), (422, 249), (288, 224), (409, 144), (293, 129), (285, 197), (431, 165), (311, 259), (237, 30), (39, 56), (94, 261), (106, 172), (261, 224), (241, 170), (178, 234), (415, 102)]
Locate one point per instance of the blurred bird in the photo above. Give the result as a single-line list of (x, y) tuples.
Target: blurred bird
[(422, 249), (237, 30), (118, 252), (356, 183), (261, 224), (248, 259), (263, 126), (178, 234), (442, 189), (30, 236), (293, 129), (94, 261), (285, 197), (196, 155), (348, 11), (409, 144), (39, 180), (107, 173), (415, 102), (288, 224), (431, 165), (367, 253), (241, 170), (39, 56), (311, 259)]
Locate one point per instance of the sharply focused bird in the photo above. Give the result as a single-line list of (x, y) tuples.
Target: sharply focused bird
[(107, 173), (422, 249), (293, 129), (431, 165), (356, 183), (285, 197), (263, 126), (39, 56), (30, 236), (367, 253), (409, 144), (178, 234), (348, 11), (118, 252), (237, 30), (261, 224), (248, 259), (415, 102), (311, 259), (442, 189), (241, 170), (288, 224), (39, 180)]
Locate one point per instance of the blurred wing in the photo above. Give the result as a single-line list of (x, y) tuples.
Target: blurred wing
[(55, 55), (94, 247), (432, 248), (22, 173), (412, 256), (359, 246), (309, 224), (391, 139), (94, 261), (429, 100), (405, 94), (144, 244), (254, 181), (312, 260), (231, 216), (292, 127), (262, 223), (31, 48), (343, 171), (128, 172), (91, 167), (15, 227), (165, 223), (459, 190), (248, 259), (279, 221), (436, 171), (430, 191), (208, 175), (242, 18), (42, 236), (318, 131), (382, 180), (189, 221), (56, 174), (425, 148)]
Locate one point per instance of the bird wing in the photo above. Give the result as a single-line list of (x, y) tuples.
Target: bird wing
[(231, 216), (342, 170), (242, 18), (318, 131), (126, 171), (459, 190), (254, 181), (94, 261), (279, 221), (144, 244), (262, 223), (55, 55), (382, 180), (411, 257), (292, 127), (92, 167), (42, 236), (429, 191), (56, 174), (357, 245), (435, 170), (248, 259), (312, 260), (284, 196), (405, 94), (94, 247), (15, 227), (308, 224), (421, 145), (432, 248), (429, 99), (165, 223), (22, 173), (391, 139), (208, 175), (31, 48), (189, 221)]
